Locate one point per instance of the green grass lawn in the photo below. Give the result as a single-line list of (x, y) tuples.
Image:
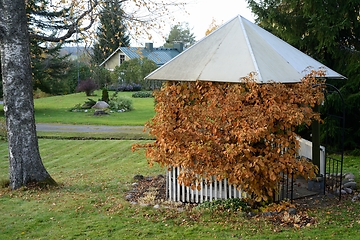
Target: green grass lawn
[(94, 176), (55, 109)]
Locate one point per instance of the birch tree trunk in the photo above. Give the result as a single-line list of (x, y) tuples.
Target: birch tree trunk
[(24, 156)]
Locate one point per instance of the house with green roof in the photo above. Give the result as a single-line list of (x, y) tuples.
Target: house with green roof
[(159, 55)]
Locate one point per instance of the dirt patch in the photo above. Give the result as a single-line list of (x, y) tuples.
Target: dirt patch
[(143, 186)]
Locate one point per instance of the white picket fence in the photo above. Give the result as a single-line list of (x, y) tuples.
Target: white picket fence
[(219, 189), (208, 192)]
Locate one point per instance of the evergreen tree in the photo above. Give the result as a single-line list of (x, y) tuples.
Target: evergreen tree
[(180, 33), (327, 31), (48, 67), (111, 34)]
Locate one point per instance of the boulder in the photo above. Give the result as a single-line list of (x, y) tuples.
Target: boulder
[(351, 185), (101, 105), (292, 211), (138, 177), (348, 190), (349, 176)]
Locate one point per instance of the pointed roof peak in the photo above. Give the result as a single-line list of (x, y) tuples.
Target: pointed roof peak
[(236, 49)]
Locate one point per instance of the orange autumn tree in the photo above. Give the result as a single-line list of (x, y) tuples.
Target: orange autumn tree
[(243, 132)]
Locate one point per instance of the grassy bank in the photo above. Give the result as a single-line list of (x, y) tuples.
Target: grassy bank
[(94, 176), (55, 109)]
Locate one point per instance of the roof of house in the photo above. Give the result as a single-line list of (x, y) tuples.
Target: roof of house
[(159, 55), (235, 50)]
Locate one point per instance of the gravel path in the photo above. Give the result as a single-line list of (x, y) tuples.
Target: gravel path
[(47, 127)]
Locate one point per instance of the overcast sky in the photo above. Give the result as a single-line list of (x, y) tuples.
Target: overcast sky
[(201, 13)]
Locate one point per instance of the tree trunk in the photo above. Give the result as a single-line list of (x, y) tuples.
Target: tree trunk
[(24, 156)]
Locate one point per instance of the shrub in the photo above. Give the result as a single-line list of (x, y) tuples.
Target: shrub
[(105, 95), (230, 204), (120, 104), (125, 87), (142, 95), (88, 86), (87, 105)]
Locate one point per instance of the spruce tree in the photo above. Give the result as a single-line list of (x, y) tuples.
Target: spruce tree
[(48, 67), (111, 33)]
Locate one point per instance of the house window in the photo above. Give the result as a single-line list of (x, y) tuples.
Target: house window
[(122, 58)]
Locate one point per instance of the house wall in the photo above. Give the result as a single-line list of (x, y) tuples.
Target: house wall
[(114, 61)]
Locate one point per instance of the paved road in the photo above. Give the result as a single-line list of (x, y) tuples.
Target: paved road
[(47, 127)]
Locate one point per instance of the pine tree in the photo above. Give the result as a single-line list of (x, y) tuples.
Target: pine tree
[(111, 34), (327, 31)]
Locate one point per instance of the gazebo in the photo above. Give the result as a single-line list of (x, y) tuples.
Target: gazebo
[(233, 51)]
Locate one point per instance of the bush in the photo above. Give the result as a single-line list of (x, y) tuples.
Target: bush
[(105, 95), (230, 204), (120, 104), (125, 87), (87, 105), (142, 95), (88, 86)]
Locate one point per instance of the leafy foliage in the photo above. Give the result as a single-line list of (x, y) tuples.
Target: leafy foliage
[(80, 107), (230, 204), (242, 132), (212, 27), (101, 76), (88, 86), (125, 87), (134, 71), (315, 28), (142, 95), (120, 104)]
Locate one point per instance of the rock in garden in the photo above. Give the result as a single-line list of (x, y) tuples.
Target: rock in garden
[(343, 191), (268, 214), (292, 211), (349, 176), (138, 177), (100, 105), (134, 184), (157, 206), (351, 185), (348, 190), (100, 112), (128, 197)]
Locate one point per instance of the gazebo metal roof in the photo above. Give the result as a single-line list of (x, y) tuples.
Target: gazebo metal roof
[(236, 49)]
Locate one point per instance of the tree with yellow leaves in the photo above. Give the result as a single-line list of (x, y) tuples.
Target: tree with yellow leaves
[(212, 27)]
